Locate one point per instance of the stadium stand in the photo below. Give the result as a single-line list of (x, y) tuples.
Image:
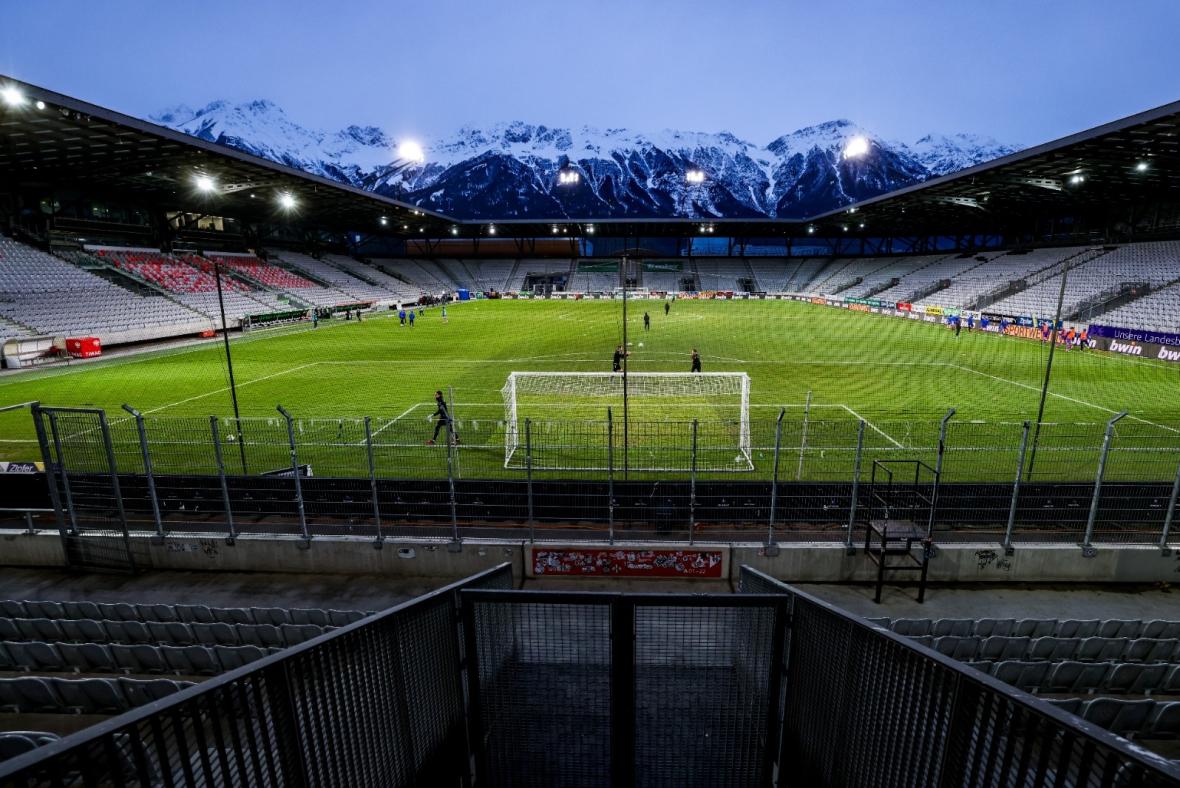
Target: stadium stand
[(43, 294), (1073, 664), (720, 273), (345, 285), (1157, 311)]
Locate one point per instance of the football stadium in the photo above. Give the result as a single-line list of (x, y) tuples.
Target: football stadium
[(482, 467)]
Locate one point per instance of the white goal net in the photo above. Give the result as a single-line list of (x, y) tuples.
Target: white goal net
[(567, 417)]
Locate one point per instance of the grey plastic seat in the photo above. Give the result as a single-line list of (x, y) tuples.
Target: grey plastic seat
[(960, 648), (232, 657), (88, 657), (202, 660), (156, 612), (219, 634), (1161, 629), (41, 629), (1092, 676), (1101, 649), (877, 622), (13, 608), (1149, 679), (120, 611), (249, 635), (82, 610), (1163, 650), (1165, 723), (44, 657), (1102, 711), (1053, 649), (294, 634), (9, 629), (141, 693), (172, 632), (15, 743), (136, 632), (18, 654), (232, 615), (1034, 627), (1132, 717), (957, 627), (44, 610), (1012, 647), (995, 627), (1034, 676), (1008, 671), (911, 627), (7, 661), (342, 618), (33, 694), (103, 696), (1121, 677), (1171, 684), (311, 615), (1120, 628), (270, 615), (1074, 628), (1070, 705), (195, 614)]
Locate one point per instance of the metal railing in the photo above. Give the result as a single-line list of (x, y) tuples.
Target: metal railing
[(864, 706), (378, 702), (799, 477)]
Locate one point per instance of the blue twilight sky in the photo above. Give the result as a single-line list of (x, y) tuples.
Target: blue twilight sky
[(1023, 71)]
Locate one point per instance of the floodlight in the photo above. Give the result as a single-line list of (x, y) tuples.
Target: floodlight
[(491, 229), (856, 147), (844, 227), (454, 231), (555, 229), (695, 176), (568, 177), (384, 221), (40, 105), (205, 184), (12, 96), (862, 225), (590, 229), (287, 200), (1077, 178), (811, 231), (1141, 167), (411, 151)]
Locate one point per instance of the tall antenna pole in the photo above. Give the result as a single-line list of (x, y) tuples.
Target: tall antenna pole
[(626, 416), (229, 363)]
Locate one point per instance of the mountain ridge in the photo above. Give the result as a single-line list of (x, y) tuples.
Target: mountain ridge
[(510, 169)]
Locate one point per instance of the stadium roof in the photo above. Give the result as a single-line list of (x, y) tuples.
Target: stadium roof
[(70, 143)]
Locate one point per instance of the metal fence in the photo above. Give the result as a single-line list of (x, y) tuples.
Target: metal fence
[(379, 702), (863, 706), (800, 478)]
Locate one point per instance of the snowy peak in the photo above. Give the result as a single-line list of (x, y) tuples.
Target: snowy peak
[(511, 169)]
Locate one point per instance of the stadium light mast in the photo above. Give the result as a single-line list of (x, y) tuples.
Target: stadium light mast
[(229, 364), (626, 415), (1032, 458)]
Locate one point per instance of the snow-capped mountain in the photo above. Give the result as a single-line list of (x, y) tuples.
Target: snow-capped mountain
[(511, 170)]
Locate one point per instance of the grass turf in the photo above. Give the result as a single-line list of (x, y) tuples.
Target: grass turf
[(899, 376)]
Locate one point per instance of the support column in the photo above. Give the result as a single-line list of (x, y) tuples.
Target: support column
[(298, 481)]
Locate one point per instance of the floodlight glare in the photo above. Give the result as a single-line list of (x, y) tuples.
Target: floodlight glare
[(384, 221), (454, 231), (856, 147), (568, 177), (695, 176), (862, 225), (411, 151), (590, 229), (40, 105), (811, 231), (1141, 166), (1076, 179), (491, 229), (12, 96), (205, 183), (555, 229), (287, 200)]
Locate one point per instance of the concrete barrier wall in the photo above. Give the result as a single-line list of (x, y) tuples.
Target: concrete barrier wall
[(805, 562)]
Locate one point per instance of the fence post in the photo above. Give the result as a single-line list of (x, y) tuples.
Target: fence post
[(860, 447), (1008, 548), (692, 490), (1171, 513), (229, 512), (528, 462), (147, 471), (803, 439), (377, 544), (1088, 550), (50, 470), (65, 474), (456, 544), (771, 547), (938, 471), (116, 490), (610, 476), (306, 543)]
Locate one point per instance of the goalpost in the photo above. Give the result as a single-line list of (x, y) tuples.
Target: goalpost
[(568, 411)]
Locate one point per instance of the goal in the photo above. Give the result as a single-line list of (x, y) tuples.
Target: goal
[(569, 427)]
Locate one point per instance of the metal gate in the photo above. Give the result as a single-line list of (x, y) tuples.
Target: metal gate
[(83, 482)]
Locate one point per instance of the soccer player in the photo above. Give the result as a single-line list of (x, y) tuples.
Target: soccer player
[(315, 318), (1044, 332), (442, 419), (401, 315), (958, 324), (617, 359), (983, 321), (970, 323), (1082, 339), (646, 322), (667, 308), (411, 318), (696, 361), (444, 313)]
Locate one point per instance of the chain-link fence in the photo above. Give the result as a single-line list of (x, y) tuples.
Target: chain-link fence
[(789, 477)]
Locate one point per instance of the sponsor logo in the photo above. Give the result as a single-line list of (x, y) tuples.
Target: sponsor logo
[(1168, 354), (1121, 347), (20, 467)]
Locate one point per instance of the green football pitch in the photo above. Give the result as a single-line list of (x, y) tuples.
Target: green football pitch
[(897, 376)]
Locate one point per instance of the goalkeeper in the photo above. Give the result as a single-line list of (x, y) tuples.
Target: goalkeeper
[(617, 359), (442, 419)]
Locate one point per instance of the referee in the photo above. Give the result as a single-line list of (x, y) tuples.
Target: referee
[(696, 361)]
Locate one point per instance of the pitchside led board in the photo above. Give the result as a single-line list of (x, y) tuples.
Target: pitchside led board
[(1135, 342)]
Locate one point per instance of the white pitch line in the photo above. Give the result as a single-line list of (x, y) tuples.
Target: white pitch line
[(226, 388), (389, 424), (1062, 396), (873, 427)]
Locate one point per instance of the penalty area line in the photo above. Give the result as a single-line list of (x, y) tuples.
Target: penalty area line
[(873, 427)]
